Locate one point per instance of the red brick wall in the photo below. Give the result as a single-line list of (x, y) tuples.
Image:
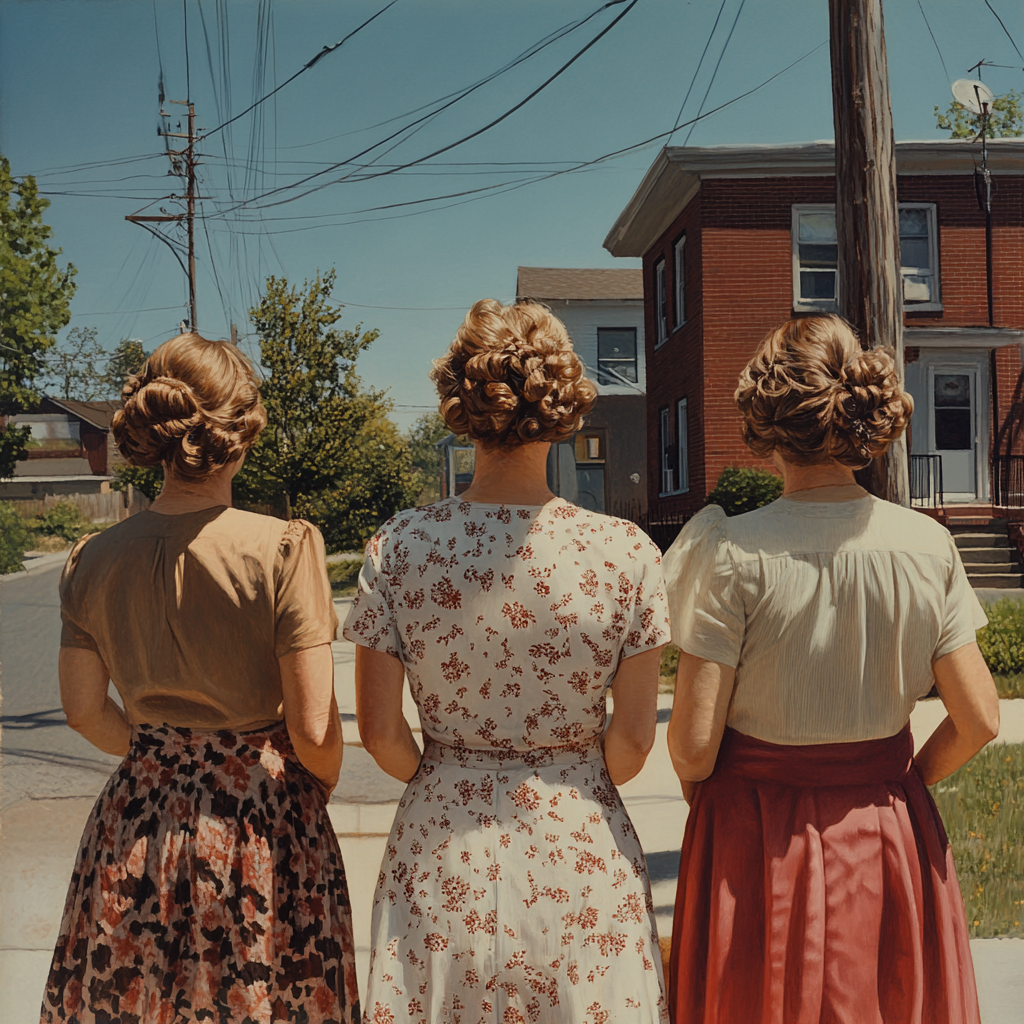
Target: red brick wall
[(740, 285)]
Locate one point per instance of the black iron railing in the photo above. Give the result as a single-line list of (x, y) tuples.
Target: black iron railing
[(661, 526), (1008, 481), (926, 481)]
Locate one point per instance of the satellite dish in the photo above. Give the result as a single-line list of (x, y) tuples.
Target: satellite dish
[(972, 94)]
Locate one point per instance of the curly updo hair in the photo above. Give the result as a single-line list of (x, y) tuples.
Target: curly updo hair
[(812, 394), (510, 377), (194, 407)]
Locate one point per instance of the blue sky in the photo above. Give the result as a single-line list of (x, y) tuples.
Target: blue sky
[(78, 86)]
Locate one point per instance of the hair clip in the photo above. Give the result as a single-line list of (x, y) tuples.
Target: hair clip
[(861, 429)]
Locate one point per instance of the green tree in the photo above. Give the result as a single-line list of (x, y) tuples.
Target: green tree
[(1006, 120), (35, 298), (147, 479), (125, 361), (426, 456), (743, 490), (72, 367), (329, 451)]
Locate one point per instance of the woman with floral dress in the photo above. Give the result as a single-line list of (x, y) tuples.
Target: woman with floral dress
[(209, 885), (513, 888)]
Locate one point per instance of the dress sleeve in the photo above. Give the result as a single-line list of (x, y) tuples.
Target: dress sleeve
[(371, 620), (649, 627), (73, 629), (303, 607), (708, 616), (962, 614)]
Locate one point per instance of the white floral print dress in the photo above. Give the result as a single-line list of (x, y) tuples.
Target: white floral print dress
[(513, 888)]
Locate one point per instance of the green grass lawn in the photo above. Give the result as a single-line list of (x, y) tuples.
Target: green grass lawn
[(982, 806)]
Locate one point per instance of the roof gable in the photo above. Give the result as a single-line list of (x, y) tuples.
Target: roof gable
[(561, 283)]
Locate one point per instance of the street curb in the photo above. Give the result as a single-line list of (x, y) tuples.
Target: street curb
[(36, 565)]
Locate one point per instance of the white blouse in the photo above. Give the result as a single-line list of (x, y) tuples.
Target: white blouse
[(831, 613)]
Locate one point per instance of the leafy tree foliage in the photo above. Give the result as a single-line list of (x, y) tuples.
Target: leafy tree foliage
[(147, 479), (15, 538), (1006, 120), (426, 456), (328, 452), (126, 360), (35, 297), (743, 490), (73, 367)]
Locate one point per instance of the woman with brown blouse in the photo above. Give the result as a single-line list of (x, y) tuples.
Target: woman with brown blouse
[(209, 884)]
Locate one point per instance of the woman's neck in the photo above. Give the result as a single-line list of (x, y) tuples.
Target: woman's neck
[(180, 495), (827, 481), (516, 476)]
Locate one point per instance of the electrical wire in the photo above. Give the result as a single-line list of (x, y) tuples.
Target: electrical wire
[(714, 73), (466, 138), (934, 41), (305, 67), (121, 312), (1005, 29), (682, 106)]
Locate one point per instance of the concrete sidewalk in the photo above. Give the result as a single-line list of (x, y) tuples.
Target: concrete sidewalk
[(39, 841)]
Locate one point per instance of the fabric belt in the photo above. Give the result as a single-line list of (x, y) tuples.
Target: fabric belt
[(504, 759), (816, 765)]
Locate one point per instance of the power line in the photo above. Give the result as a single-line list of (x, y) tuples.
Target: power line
[(682, 106), (305, 67), (934, 41), (466, 138), (714, 73), (121, 312), (1005, 29)]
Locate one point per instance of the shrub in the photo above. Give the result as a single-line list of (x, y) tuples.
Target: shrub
[(743, 490), (64, 520), (148, 480), (344, 575), (15, 538), (1002, 640)]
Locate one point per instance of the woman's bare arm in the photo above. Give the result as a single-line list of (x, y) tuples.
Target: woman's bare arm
[(701, 705), (966, 688), (631, 732), (382, 726), (84, 686), (311, 712)]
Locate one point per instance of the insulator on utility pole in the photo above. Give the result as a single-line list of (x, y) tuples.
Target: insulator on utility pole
[(870, 284)]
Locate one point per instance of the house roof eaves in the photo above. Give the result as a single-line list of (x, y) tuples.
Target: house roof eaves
[(679, 170), (97, 417)]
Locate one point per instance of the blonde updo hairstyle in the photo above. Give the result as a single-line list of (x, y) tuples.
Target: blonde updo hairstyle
[(510, 377), (194, 407), (813, 394)]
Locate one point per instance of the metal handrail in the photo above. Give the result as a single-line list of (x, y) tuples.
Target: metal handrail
[(926, 481), (1008, 480)]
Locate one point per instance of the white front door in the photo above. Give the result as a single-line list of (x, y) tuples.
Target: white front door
[(954, 425)]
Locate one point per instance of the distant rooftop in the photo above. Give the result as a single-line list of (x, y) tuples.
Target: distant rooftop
[(571, 283)]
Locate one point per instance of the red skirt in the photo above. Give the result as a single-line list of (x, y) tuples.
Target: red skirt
[(817, 885), (209, 887)]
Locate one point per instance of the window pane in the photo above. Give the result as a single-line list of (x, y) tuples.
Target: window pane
[(616, 351), (913, 223), (913, 253), (917, 289), (817, 284), (952, 390), (818, 255), (818, 227), (953, 430)]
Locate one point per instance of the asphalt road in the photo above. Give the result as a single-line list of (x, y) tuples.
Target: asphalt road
[(41, 757)]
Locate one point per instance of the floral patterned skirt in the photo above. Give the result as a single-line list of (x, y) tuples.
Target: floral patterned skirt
[(209, 887), (514, 891)]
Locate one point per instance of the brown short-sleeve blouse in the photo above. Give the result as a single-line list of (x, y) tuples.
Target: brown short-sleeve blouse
[(191, 612)]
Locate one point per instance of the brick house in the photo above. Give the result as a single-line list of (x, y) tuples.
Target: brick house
[(603, 311), (736, 239)]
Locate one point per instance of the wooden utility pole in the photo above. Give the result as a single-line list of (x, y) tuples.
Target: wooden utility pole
[(870, 284), (190, 197)]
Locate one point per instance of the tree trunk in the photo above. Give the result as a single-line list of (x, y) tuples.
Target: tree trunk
[(870, 286)]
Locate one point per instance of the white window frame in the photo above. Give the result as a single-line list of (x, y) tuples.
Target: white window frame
[(664, 438), (611, 382), (933, 254), (801, 305), (660, 305), (679, 281), (682, 448)]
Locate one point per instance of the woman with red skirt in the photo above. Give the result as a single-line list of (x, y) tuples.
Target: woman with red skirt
[(816, 881)]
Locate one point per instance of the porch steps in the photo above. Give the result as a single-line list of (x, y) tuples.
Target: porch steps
[(987, 554)]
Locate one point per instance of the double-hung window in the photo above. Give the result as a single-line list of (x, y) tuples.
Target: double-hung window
[(667, 449), (816, 255), (616, 356), (675, 468), (660, 304), (682, 448), (679, 291)]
